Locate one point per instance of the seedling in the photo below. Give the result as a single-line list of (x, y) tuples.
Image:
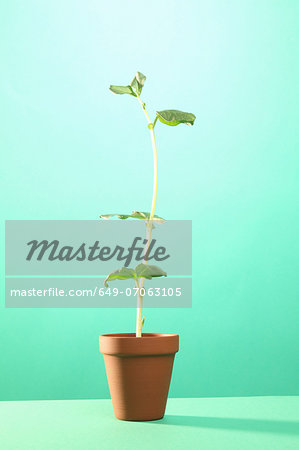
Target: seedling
[(171, 117)]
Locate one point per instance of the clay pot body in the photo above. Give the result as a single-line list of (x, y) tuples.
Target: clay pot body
[(139, 372)]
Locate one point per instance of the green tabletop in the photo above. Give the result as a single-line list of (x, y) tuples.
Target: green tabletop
[(242, 423)]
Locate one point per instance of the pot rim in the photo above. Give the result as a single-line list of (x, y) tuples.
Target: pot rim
[(133, 335), (126, 344)]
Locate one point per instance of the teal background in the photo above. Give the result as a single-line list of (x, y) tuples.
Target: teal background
[(72, 150)]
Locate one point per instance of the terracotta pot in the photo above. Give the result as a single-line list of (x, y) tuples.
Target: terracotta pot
[(139, 372)]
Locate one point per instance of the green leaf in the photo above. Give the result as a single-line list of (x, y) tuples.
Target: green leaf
[(120, 216), (135, 215), (149, 272), (174, 117), (146, 215), (138, 82), (120, 274), (122, 90), (141, 271)]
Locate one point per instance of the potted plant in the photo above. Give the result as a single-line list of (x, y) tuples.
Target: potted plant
[(139, 365)]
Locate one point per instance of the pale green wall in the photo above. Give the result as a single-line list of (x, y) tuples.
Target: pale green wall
[(71, 150)]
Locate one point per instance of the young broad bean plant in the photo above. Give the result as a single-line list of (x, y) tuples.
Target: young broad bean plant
[(171, 117)]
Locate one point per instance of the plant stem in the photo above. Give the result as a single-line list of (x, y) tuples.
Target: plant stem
[(139, 312), (155, 156), (155, 187), (149, 225)]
